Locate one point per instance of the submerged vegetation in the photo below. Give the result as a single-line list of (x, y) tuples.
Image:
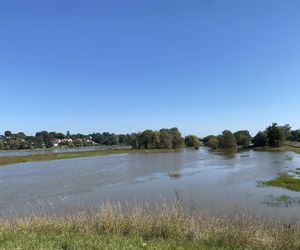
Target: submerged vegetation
[(115, 226), (284, 180), (282, 200)]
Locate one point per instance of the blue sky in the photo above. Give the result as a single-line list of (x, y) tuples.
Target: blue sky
[(124, 66)]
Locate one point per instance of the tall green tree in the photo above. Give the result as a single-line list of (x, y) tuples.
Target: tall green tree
[(165, 139), (192, 141), (275, 135), (286, 130), (123, 139), (227, 140), (68, 135), (38, 142), (133, 140), (21, 135), (7, 133), (212, 142), (260, 139), (243, 138), (177, 139), (149, 139), (295, 135)]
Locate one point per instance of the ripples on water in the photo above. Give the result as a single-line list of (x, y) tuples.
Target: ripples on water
[(208, 181)]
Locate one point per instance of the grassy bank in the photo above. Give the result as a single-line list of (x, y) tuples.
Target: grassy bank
[(138, 227), (292, 146), (5, 160), (286, 146)]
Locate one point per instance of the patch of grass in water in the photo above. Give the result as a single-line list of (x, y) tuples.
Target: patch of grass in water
[(284, 180), (282, 200), (296, 172)]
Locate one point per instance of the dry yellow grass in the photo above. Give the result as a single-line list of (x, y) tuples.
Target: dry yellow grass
[(164, 223)]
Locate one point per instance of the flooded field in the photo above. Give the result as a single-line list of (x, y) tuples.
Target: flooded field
[(202, 179), (56, 150)]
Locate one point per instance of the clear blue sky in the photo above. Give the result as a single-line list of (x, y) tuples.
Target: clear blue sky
[(124, 66)]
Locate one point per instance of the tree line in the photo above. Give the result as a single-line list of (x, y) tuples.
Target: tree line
[(273, 136), (162, 139), (45, 139), (148, 139)]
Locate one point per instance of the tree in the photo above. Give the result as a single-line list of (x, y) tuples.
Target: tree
[(123, 139), (213, 143), (207, 138), (149, 139), (177, 140), (275, 135), (7, 133), (78, 142), (48, 143), (133, 140), (60, 136), (210, 141), (192, 141), (47, 138), (165, 139), (286, 130), (243, 138), (21, 135), (113, 139), (295, 135), (1, 145), (260, 139), (227, 140), (109, 139), (38, 142), (14, 144), (98, 138)]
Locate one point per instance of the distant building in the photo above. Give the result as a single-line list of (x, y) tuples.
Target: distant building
[(57, 142)]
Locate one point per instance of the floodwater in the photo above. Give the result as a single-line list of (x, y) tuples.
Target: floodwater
[(208, 181), (56, 150)]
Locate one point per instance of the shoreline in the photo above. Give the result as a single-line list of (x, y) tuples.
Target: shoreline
[(8, 160)]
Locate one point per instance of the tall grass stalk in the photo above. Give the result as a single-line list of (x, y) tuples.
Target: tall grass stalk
[(162, 222)]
